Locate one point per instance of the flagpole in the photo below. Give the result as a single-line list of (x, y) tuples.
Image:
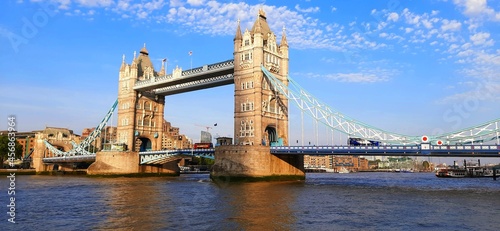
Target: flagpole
[(164, 61)]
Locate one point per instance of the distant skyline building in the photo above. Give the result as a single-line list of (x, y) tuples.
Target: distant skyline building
[(336, 163), (171, 138)]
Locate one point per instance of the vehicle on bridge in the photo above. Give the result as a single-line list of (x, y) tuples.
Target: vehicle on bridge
[(361, 142), (203, 145)]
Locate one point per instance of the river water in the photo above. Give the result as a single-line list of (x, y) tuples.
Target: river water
[(324, 201)]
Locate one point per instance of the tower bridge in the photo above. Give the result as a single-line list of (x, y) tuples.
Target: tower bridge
[(262, 91)]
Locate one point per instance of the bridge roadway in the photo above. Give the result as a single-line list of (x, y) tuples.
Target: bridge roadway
[(207, 76), (163, 156), (69, 159), (393, 150)]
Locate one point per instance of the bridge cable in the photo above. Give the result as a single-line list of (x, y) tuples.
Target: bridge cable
[(353, 128)]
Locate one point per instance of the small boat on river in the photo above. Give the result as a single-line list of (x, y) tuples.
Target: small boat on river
[(468, 170)]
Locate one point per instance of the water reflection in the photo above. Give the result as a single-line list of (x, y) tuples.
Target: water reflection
[(376, 201), (259, 206), (134, 203)]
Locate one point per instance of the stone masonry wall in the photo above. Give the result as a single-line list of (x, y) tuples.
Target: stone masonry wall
[(254, 161)]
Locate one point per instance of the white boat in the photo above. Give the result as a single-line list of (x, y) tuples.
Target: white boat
[(328, 170), (452, 172), (343, 170), (474, 171)]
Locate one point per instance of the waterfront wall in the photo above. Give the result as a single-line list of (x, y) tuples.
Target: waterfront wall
[(127, 163), (247, 161), (114, 162)]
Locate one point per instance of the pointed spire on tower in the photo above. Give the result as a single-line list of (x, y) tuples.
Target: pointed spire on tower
[(144, 51), (283, 38), (257, 27), (238, 32), (123, 63), (260, 26), (134, 61)]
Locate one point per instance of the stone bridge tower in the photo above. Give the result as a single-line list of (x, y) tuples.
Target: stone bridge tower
[(140, 114), (260, 112)]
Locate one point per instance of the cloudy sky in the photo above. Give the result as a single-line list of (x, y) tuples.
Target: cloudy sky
[(412, 67)]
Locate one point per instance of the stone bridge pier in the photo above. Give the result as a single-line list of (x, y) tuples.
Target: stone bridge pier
[(127, 163)]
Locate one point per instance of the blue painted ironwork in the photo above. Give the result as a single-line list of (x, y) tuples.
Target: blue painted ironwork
[(161, 157), (70, 159), (212, 75), (79, 149), (334, 119), (155, 157), (394, 150)]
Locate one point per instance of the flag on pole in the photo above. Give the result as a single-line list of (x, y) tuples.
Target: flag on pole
[(190, 53)]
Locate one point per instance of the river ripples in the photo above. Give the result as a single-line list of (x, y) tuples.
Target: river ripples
[(356, 201)]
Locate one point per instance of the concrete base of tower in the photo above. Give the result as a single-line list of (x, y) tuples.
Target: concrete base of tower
[(255, 163), (116, 163), (39, 166)]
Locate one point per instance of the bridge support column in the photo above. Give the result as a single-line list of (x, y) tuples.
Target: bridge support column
[(37, 157), (255, 163), (127, 163)]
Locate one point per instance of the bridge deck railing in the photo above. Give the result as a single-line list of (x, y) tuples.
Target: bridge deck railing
[(187, 73), (431, 150)]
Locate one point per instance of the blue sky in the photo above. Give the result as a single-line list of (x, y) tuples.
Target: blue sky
[(412, 67)]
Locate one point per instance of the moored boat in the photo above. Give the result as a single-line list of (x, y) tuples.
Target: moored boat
[(452, 172), (468, 170)]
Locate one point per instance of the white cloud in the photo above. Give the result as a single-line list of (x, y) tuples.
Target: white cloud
[(176, 3), (453, 47), (95, 3), (307, 10), (450, 25), (481, 39), (365, 70), (123, 4), (356, 77), (195, 2), (393, 17), (142, 14), (478, 9)]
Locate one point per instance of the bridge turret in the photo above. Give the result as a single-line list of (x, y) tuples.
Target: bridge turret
[(261, 116), (140, 114), (238, 37), (133, 67), (283, 50), (260, 113), (162, 70), (122, 67)]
